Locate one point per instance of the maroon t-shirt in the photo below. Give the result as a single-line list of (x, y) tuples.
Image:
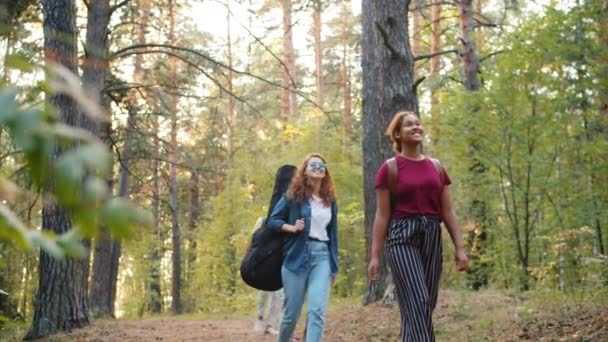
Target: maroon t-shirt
[(418, 187)]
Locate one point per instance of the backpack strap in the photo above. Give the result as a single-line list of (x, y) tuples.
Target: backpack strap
[(439, 169), (392, 174)]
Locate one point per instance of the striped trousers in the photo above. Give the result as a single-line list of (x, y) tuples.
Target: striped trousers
[(413, 252)]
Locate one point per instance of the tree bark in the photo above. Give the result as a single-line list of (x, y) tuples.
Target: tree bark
[(61, 299), (346, 96), (232, 118), (154, 298), (416, 13), (477, 274), (176, 256), (470, 60), (289, 104), (193, 223), (436, 36), (435, 67), (316, 28), (103, 289), (388, 87)]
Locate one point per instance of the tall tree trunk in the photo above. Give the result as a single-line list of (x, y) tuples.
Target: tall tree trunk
[(154, 296), (346, 96), (435, 65), (388, 86), (436, 36), (232, 118), (193, 222), (95, 66), (289, 104), (61, 299), (601, 129), (415, 34), (176, 255), (316, 28), (477, 274), (478, 28), (470, 60), (153, 302)]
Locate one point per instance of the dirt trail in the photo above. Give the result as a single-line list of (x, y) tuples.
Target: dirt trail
[(168, 330), (460, 316)]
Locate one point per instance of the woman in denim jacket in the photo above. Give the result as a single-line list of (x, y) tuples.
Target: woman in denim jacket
[(307, 216)]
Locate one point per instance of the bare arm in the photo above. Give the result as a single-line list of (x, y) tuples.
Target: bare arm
[(383, 212), (449, 218)]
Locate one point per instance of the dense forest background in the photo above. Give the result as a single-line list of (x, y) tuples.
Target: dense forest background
[(189, 107)]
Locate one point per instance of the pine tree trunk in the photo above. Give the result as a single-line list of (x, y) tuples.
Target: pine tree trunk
[(477, 274), (415, 34), (232, 118), (478, 33), (436, 36), (289, 104), (61, 299), (94, 79), (153, 303), (194, 215), (470, 61), (346, 96), (176, 256), (154, 297), (602, 128), (388, 86), (316, 28), (435, 66)]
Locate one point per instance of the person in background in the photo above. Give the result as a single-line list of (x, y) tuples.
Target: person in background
[(411, 227), (307, 215), (272, 300)]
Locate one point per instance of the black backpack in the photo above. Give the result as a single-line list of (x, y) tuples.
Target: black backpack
[(261, 266)]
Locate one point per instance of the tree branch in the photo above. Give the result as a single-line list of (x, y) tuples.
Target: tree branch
[(183, 59), (431, 55), (417, 83), (127, 52), (119, 5), (388, 45), (491, 55)]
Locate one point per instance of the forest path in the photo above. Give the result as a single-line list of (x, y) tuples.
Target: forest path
[(460, 316)]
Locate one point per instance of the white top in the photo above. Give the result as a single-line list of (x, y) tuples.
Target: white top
[(320, 217)]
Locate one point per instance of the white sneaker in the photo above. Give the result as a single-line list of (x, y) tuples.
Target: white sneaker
[(258, 326), (271, 331)]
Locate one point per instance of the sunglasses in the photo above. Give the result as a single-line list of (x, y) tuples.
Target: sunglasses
[(317, 165)]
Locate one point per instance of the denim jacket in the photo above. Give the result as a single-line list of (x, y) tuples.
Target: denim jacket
[(295, 253)]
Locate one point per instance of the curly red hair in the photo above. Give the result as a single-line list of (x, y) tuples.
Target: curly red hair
[(300, 190)]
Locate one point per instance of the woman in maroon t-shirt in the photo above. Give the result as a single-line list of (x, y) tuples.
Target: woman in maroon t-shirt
[(413, 241)]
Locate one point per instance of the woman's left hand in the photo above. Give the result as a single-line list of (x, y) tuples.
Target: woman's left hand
[(462, 260)]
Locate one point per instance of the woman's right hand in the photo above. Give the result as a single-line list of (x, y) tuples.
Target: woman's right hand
[(373, 269), (294, 229)]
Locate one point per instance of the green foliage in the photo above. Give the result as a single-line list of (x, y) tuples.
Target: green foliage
[(76, 179), (535, 126)]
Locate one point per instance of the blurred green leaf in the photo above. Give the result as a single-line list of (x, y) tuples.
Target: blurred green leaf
[(118, 217), (95, 191), (68, 176), (7, 105), (86, 219), (70, 244), (19, 62), (12, 229), (47, 242), (95, 157)]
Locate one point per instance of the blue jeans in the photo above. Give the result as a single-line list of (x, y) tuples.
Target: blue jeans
[(316, 281)]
